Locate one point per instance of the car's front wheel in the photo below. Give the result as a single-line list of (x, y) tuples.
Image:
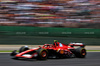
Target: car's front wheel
[(23, 48), (42, 54)]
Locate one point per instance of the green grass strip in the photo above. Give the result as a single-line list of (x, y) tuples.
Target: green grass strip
[(6, 51)]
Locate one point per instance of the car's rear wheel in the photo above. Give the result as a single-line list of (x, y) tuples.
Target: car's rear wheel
[(42, 54), (80, 52), (23, 48)]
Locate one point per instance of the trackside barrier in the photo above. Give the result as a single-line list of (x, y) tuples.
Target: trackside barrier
[(49, 31)]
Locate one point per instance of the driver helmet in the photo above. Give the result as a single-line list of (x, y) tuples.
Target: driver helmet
[(55, 41)]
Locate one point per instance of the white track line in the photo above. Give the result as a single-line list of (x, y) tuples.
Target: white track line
[(5, 52)]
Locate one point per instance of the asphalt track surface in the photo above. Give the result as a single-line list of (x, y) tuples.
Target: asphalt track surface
[(92, 59)]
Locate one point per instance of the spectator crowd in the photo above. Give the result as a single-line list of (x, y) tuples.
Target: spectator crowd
[(50, 13)]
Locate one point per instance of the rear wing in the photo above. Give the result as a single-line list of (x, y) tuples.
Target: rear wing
[(76, 44)]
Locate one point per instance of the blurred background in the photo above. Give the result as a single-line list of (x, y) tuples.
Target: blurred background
[(50, 13), (42, 21)]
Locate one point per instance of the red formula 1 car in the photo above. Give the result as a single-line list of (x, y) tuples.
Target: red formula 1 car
[(51, 51)]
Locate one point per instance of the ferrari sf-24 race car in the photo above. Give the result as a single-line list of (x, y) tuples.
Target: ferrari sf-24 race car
[(59, 50)]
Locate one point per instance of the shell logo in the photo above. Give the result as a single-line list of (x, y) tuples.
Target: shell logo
[(61, 51)]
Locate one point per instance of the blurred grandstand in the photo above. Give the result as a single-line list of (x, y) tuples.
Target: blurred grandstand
[(50, 13)]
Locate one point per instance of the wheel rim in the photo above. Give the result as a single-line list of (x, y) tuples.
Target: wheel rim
[(83, 52), (44, 54)]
